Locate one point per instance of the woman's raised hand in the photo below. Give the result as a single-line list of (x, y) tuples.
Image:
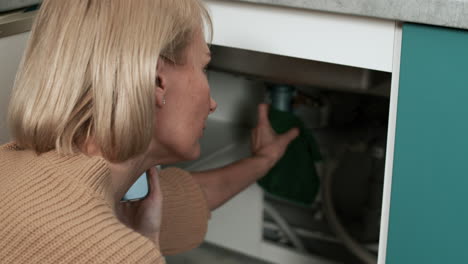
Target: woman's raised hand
[(266, 143)]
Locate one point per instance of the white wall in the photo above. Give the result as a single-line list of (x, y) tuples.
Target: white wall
[(237, 97), (11, 51)]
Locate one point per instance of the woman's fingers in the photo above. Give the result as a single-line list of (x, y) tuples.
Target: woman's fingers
[(263, 114), (265, 141), (155, 188), (289, 136)]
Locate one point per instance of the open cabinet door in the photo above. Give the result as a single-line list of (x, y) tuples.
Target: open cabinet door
[(428, 210)]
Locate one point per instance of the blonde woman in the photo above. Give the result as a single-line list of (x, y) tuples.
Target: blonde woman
[(107, 90)]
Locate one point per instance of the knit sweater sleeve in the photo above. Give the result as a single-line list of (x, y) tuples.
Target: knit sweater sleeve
[(185, 212)]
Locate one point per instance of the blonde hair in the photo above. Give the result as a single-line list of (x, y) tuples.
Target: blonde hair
[(90, 71)]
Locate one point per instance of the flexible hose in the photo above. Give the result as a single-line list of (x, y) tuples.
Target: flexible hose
[(284, 226), (336, 225)]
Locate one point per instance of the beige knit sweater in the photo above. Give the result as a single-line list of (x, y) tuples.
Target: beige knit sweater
[(59, 209)]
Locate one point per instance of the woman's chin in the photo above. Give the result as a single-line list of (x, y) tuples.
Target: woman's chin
[(176, 156), (194, 154), (187, 154)]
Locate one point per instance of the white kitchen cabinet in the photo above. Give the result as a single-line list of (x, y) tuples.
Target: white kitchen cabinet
[(366, 43)]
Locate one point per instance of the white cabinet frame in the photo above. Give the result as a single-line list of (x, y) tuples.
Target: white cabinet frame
[(340, 39)]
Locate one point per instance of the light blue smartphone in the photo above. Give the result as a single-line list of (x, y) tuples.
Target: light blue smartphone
[(138, 191)]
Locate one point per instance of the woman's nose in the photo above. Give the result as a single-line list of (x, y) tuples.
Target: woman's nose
[(213, 105)]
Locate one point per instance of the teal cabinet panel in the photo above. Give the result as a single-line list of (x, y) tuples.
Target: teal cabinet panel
[(429, 201)]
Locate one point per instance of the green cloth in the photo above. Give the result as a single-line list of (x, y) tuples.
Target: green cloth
[(294, 177)]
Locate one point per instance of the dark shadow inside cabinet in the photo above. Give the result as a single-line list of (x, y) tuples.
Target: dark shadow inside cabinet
[(351, 135)]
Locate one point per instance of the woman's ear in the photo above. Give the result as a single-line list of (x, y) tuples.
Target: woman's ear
[(161, 84), (160, 92)]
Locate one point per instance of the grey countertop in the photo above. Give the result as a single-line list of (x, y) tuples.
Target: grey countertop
[(449, 13)]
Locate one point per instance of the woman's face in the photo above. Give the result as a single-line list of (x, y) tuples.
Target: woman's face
[(184, 103)]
